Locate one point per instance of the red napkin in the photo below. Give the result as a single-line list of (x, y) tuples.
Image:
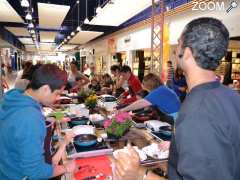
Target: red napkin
[(93, 166)]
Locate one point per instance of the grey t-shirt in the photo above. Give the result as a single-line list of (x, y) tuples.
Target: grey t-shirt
[(206, 139)]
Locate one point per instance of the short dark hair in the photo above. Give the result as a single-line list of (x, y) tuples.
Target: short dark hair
[(28, 73), (26, 64), (169, 62), (48, 74), (115, 68), (208, 40), (74, 63), (125, 69)]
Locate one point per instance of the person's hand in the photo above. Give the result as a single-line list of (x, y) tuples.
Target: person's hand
[(70, 167), (68, 137), (127, 165), (164, 145)]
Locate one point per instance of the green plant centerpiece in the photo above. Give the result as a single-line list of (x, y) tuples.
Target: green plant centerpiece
[(91, 100), (118, 125)]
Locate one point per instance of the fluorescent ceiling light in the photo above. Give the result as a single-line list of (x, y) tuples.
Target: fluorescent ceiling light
[(55, 15), (48, 36), (18, 31), (8, 13), (83, 37), (114, 14), (24, 3)]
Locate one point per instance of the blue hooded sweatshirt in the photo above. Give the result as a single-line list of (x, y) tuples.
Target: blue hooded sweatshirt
[(22, 133)]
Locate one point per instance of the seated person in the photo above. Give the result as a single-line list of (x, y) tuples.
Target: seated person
[(107, 84), (118, 82), (134, 85), (164, 98), (76, 80), (150, 84), (95, 85)]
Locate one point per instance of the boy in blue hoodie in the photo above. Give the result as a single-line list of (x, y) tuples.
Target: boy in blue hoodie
[(22, 127)]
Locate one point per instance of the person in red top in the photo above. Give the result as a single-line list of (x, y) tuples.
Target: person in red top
[(134, 85)]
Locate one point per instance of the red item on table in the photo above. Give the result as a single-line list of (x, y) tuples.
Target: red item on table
[(93, 166)]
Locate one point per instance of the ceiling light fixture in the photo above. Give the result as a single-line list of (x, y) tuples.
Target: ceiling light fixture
[(68, 37), (24, 3), (167, 8), (99, 9), (86, 21), (32, 31), (72, 33), (31, 25), (65, 40), (28, 16), (78, 28)]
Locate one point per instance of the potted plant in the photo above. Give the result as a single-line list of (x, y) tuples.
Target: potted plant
[(91, 101), (118, 125)]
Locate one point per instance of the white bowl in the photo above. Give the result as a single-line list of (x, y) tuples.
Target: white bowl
[(154, 151), (141, 153), (96, 117), (83, 129)]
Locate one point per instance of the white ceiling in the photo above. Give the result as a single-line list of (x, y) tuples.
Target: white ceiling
[(67, 47), (26, 40), (4, 43), (83, 37), (119, 12), (30, 48), (8, 14), (18, 31), (47, 36), (47, 46), (51, 15)]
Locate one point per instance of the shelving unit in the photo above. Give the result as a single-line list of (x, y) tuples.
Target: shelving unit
[(235, 75), (230, 65)]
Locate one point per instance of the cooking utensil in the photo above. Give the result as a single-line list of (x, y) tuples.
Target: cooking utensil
[(79, 120), (85, 140), (93, 177)]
